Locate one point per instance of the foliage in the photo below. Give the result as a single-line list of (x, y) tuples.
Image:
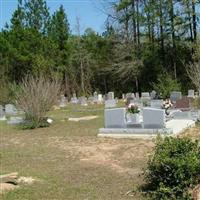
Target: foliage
[(36, 98), (196, 103), (165, 84), (173, 169), (193, 71), (133, 109), (142, 39)]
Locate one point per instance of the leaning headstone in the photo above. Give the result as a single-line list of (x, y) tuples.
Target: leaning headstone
[(174, 96), (10, 109), (15, 120), (191, 93), (2, 114), (110, 103)]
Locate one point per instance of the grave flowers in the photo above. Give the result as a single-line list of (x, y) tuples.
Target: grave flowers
[(133, 114)]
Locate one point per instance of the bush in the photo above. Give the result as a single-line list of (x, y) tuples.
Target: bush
[(173, 169), (165, 84), (8, 91), (36, 97), (196, 103)]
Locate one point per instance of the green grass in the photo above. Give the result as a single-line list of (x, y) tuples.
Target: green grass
[(70, 162)]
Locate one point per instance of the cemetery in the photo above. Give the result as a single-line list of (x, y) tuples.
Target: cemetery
[(99, 100)]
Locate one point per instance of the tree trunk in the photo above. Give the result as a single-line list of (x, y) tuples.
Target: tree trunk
[(162, 31), (134, 23), (194, 20), (82, 78), (138, 23), (173, 37), (67, 88)]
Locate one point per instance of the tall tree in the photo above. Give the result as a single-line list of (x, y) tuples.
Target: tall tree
[(37, 15)]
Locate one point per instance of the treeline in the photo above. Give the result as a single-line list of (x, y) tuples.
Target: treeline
[(147, 44)]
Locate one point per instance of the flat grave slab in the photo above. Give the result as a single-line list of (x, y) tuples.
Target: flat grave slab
[(173, 128)]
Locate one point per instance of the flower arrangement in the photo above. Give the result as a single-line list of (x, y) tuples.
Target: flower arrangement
[(133, 109)]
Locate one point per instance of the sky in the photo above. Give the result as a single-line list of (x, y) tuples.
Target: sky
[(88, 12)]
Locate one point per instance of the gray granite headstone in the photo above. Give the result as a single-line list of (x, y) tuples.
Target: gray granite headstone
[(110, 103), (153, 118), (174, 96), (156, 103), (115, 118)]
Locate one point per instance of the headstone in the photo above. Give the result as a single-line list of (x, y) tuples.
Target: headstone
[(15, 120), (95, 95), (156, 104), (10, 109), (145, 95), (111, 95), (174, 96), (123, 96), (2, 114), (153, 94), (130, 95), (191, 93), (83, 101), (137, 96), (91, 100), (74, 99), (129, 100), (153, 118), (110, 103), (63, 101), (184, 103), (100, 98), (115, 118)]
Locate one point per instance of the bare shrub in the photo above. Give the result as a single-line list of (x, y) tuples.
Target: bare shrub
[(36, 97), (193, 71)]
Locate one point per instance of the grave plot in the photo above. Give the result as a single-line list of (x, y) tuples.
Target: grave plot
[(151, 119)]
